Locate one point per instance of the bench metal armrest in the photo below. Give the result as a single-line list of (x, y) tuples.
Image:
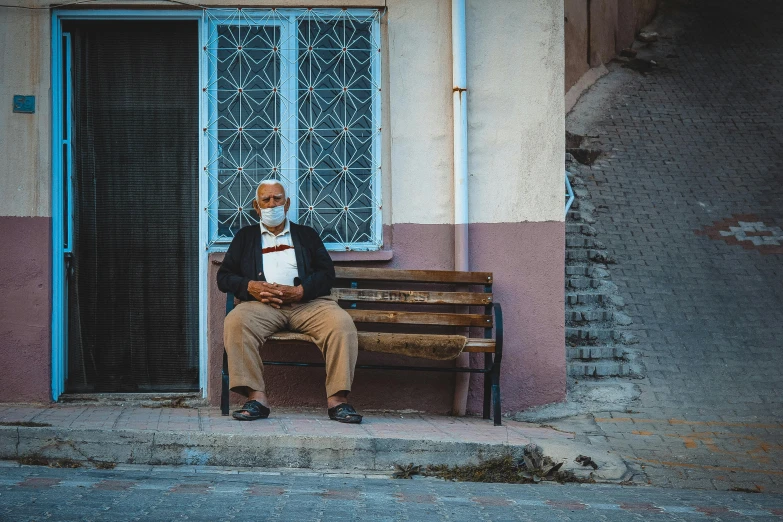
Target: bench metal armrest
[(229, 302), (224, 393), (498, 310)]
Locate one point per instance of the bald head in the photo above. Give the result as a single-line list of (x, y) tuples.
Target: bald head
[(272, 184)]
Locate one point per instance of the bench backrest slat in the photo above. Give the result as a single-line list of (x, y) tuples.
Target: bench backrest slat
[(395, 317), (367, 295), (413, 276)]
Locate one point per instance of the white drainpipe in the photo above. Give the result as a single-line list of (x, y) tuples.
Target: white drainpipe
[(461, 261)]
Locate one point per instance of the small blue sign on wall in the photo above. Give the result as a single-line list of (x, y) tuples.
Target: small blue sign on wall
[(24, 104)]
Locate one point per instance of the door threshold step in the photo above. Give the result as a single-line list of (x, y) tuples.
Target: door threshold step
[(149, 400)]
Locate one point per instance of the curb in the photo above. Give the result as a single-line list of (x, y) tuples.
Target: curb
[(188, 448)]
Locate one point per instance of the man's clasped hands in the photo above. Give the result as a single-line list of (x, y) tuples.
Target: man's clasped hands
[(273, 294)]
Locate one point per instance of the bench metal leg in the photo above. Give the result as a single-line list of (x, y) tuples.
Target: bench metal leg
[(496, 410), (496, 414), (487, 385), (224, 393)]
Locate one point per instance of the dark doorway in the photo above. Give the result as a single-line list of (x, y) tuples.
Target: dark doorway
[(133, 277)]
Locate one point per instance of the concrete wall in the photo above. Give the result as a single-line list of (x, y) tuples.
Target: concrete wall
[(596, 30), (576, 41), (24, 141), (25, 224), (516, 185)]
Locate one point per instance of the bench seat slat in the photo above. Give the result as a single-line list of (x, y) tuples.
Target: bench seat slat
[(413, 276), (396, 317), (473, 345), (480, 346), (411, 296)]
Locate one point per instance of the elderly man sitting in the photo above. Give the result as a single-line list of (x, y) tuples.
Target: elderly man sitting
[(283, 275)]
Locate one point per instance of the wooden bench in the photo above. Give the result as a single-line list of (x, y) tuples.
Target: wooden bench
[(380, 300)]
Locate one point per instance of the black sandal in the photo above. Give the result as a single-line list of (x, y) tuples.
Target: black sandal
[(344, 413), (252, 410)]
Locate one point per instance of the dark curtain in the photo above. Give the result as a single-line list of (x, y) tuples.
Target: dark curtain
[(133, 285)]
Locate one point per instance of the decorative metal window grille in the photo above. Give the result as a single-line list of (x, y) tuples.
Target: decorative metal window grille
[(295, 95)]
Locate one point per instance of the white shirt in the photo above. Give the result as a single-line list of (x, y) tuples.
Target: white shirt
[(279, 256)]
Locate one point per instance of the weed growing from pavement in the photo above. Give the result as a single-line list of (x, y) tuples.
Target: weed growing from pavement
[(36, 459), (33, 460), (532, 468), (406, 472), (758, 489), (39, 460)]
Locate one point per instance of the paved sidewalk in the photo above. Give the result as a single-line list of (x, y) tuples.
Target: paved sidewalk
[(688, 202), (30, 493), (296, 439), (282, 422)]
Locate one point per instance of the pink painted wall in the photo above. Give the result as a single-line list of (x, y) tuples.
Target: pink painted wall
[(25, 310), (527, 259), (528, 262)]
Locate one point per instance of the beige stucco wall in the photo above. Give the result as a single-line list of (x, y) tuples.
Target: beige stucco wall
[(419, 49), (25, 170), (515, 111), (515, 82)]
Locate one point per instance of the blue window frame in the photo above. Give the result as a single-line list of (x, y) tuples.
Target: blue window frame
[(295, 95)]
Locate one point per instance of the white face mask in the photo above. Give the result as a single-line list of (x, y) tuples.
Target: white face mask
[(271, 217)]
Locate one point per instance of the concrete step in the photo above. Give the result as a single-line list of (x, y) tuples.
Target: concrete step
[(579, 242), (587, 270), (594, 316), (593, 335), (588, 255), (589, 316), (577, 215), (583, 205), (579, 229), (576, 300), (603, 369), (584, 283), (596, 353), (581, 193)]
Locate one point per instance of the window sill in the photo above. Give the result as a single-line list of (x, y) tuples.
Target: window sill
[(375, 255), (341, 257)]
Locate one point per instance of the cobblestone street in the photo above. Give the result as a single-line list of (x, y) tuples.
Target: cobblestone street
[(201, 493), (688, 202)]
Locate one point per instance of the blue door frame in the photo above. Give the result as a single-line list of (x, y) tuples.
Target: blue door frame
[(62, 208)]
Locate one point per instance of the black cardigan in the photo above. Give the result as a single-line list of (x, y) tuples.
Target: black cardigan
[(244, 263)]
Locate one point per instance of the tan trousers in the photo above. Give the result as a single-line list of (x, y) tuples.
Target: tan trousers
[(250, 323)]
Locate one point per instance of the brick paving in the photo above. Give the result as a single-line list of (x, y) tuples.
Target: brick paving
[(692, 149), (200, 493)]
